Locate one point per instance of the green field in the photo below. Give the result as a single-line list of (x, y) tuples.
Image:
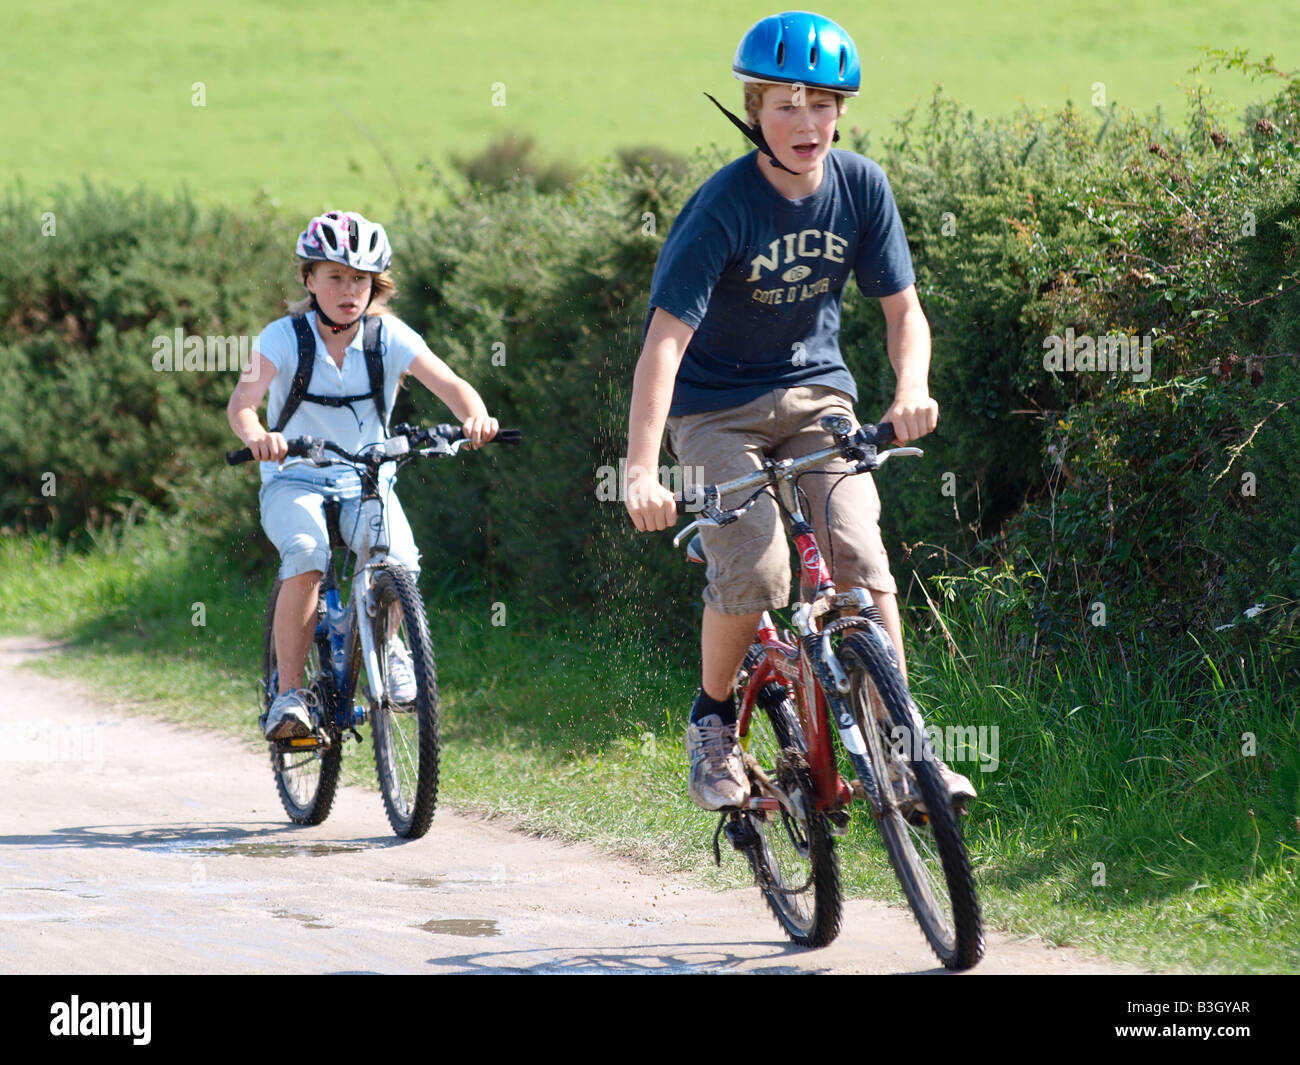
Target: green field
[(309, 106)]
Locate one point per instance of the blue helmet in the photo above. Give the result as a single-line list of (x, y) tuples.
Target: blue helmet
[(798, 46)]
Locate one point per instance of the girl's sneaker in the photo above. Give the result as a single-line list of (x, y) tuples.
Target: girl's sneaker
[(290, 716), (401, 673)]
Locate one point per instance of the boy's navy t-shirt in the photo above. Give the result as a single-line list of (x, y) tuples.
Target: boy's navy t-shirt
[(761, 278)]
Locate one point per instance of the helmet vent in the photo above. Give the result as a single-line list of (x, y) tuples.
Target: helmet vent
[(353, 235), (812, 57), (780, 54), (330, 239), (844, 59)]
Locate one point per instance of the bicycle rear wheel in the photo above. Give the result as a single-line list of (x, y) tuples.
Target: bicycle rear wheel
[(406, 734), (305, 778), (791, 850), (930, 859)]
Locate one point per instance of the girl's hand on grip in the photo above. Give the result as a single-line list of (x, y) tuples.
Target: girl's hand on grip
[(268, 447)]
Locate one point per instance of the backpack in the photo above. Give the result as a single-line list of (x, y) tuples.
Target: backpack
[(307, 357)]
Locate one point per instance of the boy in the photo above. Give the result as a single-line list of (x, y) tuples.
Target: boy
[(741, 357)]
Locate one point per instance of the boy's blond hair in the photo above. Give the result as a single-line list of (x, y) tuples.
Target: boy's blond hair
[(754, 91), (382, 290)]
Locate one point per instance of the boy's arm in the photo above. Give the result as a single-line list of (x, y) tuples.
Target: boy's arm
[(913, 413), (458, 394), (649, 503)]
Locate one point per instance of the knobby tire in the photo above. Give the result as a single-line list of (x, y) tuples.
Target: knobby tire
[(793, 857), (306, 780), (931, 861), (406, 738)]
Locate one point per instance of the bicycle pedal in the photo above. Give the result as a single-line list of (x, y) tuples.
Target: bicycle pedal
[(740, 834), (839, 821)]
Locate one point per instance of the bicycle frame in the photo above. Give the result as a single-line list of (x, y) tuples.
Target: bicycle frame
[(361, 604), (358, 642), (809, 664), (793, 663)]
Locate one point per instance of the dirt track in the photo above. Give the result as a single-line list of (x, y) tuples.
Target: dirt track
[(128, 845)]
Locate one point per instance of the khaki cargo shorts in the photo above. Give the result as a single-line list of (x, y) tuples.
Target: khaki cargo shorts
[(749, 561)]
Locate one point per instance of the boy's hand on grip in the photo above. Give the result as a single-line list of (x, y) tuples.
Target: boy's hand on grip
[(650, 505), (913, 415)]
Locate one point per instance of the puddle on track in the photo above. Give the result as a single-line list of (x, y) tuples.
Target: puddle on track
[(306, 919), (258, 850), (414, 881), (461, 927)]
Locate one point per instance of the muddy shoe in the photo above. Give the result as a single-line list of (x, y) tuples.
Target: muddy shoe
[(290, 716), (717, 776), (907, 797), (401, 673), (959, 787)]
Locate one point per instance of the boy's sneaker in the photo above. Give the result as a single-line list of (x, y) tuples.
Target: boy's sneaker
[(401, 673), (912, 806), (717, 776), (959, 787), (290, 716)]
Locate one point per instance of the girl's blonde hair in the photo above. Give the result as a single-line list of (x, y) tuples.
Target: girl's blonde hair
[(382, 290), (754, 91)]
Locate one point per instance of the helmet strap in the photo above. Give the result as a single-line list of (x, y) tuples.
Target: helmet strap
[(335, 328), (755, 134)]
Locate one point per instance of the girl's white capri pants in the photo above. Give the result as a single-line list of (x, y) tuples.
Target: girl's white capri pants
[(293, 515)]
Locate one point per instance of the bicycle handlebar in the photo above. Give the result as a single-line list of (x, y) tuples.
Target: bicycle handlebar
[(857, 446), (440, 440)]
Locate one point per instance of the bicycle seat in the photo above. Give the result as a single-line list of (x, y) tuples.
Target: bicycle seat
[(695, 550)]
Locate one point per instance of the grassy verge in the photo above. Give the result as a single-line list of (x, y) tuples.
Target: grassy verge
[(585, 77), (1120, 809)]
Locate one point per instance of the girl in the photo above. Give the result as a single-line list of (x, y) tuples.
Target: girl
[(344, 261)]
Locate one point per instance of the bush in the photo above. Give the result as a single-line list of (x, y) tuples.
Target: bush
[(508, 160), (91, 426), (1165, 499)]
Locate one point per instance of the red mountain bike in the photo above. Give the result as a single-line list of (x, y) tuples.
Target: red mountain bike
[(839, 666)]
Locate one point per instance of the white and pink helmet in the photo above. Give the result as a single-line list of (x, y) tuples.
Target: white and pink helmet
[(346, 237)]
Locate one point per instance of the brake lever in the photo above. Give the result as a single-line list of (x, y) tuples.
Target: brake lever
[(698, 523), (906, 452)]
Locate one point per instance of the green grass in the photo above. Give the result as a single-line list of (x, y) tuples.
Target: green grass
[(576, 734), (334, 105)]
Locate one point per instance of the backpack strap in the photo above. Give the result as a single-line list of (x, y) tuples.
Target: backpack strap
[(374, 351), (375, 364), (301, 377)]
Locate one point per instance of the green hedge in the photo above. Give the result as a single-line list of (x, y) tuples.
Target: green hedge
[(1105, 488)]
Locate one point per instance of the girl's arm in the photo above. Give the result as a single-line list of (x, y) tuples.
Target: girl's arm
[(458, 394), (241, 411)]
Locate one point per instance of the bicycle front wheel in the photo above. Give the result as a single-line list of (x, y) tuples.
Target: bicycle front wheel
[(405, 733), (929, 858), (791, 850), (305, 778)]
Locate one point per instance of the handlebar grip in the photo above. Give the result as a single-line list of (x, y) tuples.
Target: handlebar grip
[(884, 434), (452, 433), (298, 448)]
